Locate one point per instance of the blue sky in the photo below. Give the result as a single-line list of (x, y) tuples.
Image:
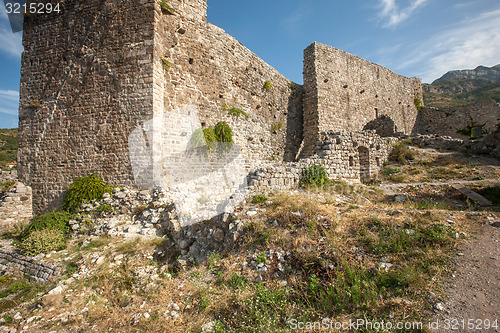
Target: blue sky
[(415, 38)]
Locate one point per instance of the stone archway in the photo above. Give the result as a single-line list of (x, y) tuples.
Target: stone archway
[(364, 164)]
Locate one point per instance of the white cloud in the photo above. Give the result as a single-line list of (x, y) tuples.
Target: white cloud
[(293, 23), (9, 99), (11, 43), (468, 44), (393, 15)]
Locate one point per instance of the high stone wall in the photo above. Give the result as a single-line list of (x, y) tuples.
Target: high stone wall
[(95, 73), (212, 71), (86, 83), (344, 93)]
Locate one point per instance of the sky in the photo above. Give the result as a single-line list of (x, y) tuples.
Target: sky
[(414, 38)]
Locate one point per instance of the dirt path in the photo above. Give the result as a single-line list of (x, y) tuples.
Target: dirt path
[(473, 293)]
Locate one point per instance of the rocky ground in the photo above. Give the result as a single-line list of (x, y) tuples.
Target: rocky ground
[(410, 248)]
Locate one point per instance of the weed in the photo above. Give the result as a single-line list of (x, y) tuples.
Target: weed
[(314, 175), (237, 281), (237, 112), (268, 86), (164, 5), (262, 258), (277, 127), (418, 103), (166, 64), (259, 198), (391, 170), (213, 258)]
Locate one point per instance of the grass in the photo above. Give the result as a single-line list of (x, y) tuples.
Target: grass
[(18, 290), (330, 267)]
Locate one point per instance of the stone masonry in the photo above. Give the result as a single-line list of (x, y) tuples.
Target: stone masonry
[(102, 69), (344, 93)]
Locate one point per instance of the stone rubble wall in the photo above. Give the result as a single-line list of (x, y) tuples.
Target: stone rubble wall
[(344, 93), (12, 262), (341, 153), (16, 206), (446, 121)]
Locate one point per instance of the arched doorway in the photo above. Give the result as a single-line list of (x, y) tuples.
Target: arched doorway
[(364, 164)]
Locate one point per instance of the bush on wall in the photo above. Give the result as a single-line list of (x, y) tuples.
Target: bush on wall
[(85, 189)]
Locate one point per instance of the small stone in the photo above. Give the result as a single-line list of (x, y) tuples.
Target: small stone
[(384, 266), (147, 315), (176, 307), (259, 279), (251, 213), (218, 235), (439, 307)]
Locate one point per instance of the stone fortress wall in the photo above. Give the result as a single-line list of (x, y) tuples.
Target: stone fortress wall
[(86, 83), (344, 93), (446, 121), (101, 70)]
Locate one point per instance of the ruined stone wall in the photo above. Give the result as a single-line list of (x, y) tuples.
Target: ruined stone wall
[(446, 121), (15, 206), (345, 155), (212, 71), (102, 69), (86, 83), (13, 262), (344, 93)]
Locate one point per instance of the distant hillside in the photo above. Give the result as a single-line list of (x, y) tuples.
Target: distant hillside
[(479, 73), (462, 87), (8, 146)]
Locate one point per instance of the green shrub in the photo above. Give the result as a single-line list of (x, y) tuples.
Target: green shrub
[(314, 175), (224, 135), (57, 220), (203, 139), (85, 189), (259, 198), (43, 241), (391, 170), (418, 103), (401, 153)]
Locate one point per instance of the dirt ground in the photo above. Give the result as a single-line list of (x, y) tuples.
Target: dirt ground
[(474, 289)]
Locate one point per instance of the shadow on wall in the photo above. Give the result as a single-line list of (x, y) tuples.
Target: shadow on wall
[(294, 124), (383, 126)]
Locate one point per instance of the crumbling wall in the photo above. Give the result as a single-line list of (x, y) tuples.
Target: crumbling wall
[(344, 93), (86, 83), (13, 262), (446, 121), (344, 155)]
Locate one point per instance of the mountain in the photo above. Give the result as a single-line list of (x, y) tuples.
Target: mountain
[(479, 73), (459, 87)]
